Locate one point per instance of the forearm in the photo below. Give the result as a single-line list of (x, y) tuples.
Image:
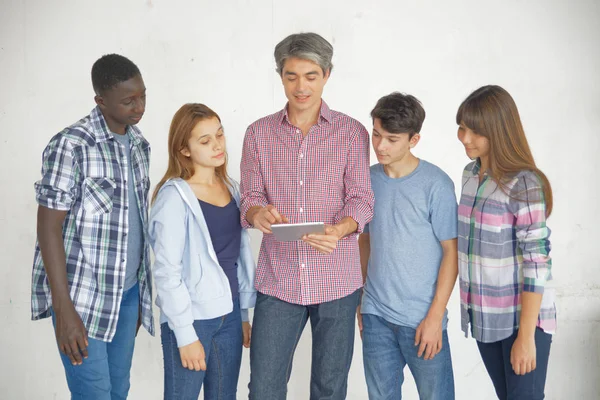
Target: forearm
[(446, 280), (49, 232), (364, 246), (346, 226), (530, 309)]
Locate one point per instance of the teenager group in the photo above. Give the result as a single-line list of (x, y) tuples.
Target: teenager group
[(394, 243)]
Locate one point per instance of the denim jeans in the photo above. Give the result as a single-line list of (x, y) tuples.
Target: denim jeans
[(277, 327), (222, 339), (388, 348), (104, 375), (508, 385)]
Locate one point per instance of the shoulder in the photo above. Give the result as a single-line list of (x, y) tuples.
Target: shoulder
[(525, 181), (469, 168), (436, 176), (375, 170), (341, 120), (169, 195), (266, 123), (82, 132)]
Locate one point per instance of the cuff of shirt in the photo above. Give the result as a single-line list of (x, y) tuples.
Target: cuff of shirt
[(248, 204), (54, 200), (185, 335), (245, 316), (356, 215), (533, 285)]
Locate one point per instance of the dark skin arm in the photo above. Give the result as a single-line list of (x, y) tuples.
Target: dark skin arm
[(71, 334)]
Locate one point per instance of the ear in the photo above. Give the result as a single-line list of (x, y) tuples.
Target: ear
[(414, 140), (327, 74), (186, 152), (99, 101)]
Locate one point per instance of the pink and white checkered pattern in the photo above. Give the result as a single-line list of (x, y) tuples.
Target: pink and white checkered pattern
[(322, 177)]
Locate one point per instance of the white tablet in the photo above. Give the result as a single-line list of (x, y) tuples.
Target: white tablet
[(292, 232)]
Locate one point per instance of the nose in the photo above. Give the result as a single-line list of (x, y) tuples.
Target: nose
[(301, 85), (139, 106)]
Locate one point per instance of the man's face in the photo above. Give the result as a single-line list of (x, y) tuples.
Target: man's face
[(391, 147), (303, 82), (123, 104)]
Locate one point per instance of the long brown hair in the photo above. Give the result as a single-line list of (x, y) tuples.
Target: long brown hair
[(490, 111), (180, 166)]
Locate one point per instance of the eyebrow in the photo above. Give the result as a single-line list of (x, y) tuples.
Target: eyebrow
[(130, 97), (287, 73), (208, 134), (387, 134)]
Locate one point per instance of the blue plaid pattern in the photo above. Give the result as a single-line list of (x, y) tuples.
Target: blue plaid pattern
[(84, 172)]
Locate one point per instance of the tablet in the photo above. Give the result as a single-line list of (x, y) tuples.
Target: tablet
[(292, 232)]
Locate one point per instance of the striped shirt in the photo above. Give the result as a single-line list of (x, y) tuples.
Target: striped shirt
[(503, 250), (84, 172), (322, 177)]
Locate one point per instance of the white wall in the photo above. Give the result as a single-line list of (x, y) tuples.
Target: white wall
[(546, 53)]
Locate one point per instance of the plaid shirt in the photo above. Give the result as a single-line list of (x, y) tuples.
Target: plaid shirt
[(503, 250), (322, 177), (84, 172)]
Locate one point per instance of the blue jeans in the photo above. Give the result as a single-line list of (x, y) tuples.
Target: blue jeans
[(104, 375), (276, 330), (508, 385), (222, 339), (388, 348)]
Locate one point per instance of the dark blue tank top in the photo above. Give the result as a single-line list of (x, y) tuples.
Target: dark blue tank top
[(226, 235)]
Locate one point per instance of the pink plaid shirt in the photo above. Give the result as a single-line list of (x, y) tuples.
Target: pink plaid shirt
[(322, 177)]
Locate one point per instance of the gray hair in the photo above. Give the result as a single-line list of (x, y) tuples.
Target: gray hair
[(307, 46)]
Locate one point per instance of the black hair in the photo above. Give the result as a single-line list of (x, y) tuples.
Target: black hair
[(110, 70), (400, 113)]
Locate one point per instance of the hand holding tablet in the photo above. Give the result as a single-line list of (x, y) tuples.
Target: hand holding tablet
[(293, 232)]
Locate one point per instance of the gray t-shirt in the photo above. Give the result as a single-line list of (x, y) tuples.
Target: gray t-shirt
[(413, 214), (135, 233)]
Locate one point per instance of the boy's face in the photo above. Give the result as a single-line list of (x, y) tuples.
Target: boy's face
[(124, 104), (391, 148), (303, 83)]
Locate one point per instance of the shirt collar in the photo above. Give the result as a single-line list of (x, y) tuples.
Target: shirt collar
[(477, 167), (324, 113), (102, 133)]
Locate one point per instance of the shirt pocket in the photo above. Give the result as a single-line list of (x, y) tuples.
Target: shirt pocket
[(98, 194)]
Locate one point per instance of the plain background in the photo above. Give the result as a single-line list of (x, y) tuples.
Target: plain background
[(545, 53)]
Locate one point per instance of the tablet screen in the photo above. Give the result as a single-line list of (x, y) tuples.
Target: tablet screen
[(293, 232)]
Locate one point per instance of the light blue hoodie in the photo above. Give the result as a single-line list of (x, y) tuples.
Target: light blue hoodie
[(191, 284)]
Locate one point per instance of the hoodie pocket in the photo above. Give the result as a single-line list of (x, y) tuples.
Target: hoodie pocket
[(210, 283)]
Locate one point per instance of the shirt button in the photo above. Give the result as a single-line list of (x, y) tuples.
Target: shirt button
[(300, 209), (301, 155), (300, 183), (297, 130), (302, 266), (127, 207)]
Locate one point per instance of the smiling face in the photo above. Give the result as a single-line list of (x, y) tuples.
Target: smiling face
[(206, 145), (303, 83), (476, 146), (124, 104)]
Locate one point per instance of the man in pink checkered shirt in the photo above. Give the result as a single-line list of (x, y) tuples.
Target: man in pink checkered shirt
[(305, 163)]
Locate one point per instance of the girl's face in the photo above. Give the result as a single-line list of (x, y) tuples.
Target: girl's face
[(476, 146), (206, 146)]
